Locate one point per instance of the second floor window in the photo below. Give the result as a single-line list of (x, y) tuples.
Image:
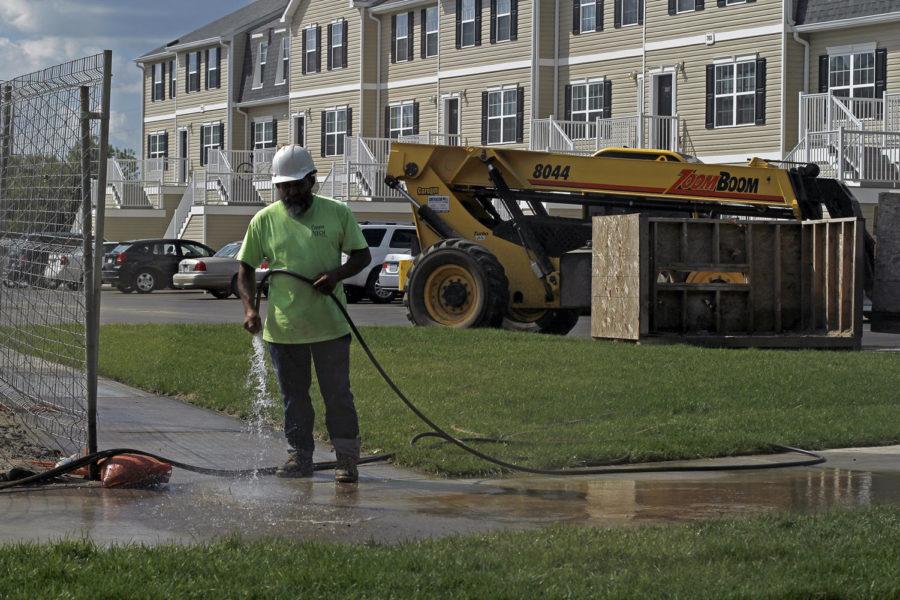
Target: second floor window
[(311, 50), (336, 45), (631, 10), (158, 89), (335, 130), (735, 89), (587, 16), (284, 62), (402, 33), (402, 120), (852, 75), (259, 74), (173, 80), (504, 20), (193, 72), (502, 116), (685, 5), (213, 68), (430, 37), (467, 33)]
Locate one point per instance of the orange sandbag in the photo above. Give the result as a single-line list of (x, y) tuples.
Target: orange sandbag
[(134, 471)]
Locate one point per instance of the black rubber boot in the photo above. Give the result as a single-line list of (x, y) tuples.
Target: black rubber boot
[(346, 471)]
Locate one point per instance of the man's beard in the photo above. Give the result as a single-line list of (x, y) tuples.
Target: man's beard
[(297, 205)]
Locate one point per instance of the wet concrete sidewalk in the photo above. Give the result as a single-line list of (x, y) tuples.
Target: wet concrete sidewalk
[(390, 504)]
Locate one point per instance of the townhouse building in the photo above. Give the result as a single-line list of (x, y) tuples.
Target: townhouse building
[(722, 80)]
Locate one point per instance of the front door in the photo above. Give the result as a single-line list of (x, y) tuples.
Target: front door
[(663, 106), (451, 121), (183, 154)]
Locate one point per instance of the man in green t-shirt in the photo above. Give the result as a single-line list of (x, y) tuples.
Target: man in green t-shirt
[(306, 234)]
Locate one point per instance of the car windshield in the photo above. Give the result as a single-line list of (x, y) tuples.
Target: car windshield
[(230, 250)]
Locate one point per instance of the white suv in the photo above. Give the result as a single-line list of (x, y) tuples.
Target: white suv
[(383, 239)]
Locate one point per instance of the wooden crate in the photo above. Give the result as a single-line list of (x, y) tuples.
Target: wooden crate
[(727, 282)]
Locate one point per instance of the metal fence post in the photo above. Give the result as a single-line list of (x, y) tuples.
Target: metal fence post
[(840, 165)]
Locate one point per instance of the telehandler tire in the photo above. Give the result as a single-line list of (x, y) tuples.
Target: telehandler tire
[(552, 322), (457, 283)]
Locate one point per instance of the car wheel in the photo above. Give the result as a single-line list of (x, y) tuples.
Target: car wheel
[(375, 293), (220, 294), (125, 289), (145, 281)]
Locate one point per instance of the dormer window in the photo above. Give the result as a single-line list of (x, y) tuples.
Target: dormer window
[(284, 62), (259, 75)]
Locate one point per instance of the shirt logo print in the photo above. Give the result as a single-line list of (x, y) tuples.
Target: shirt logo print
[(318, 230)]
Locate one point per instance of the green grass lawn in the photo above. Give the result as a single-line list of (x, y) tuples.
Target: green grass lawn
[(831, 555), (561, 402)]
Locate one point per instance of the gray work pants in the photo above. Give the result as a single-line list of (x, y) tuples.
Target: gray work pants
[(292, 368)]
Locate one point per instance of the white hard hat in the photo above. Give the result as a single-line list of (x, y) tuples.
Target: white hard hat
[(292, 163)]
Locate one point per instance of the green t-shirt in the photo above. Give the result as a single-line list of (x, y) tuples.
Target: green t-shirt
[(309, 245)]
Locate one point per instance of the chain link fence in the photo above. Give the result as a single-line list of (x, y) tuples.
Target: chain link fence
[(53, 128)]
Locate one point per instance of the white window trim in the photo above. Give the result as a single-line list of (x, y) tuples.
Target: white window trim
[(283, 68), (157, 68), (335, 133), (670, 70), (401, 105), (212, 128), (435, 32), (158, 136), (443, 115), (213, 67), (263, 121), (294, 118), (311, 34), (497, 39), (581, 5), (405, 39), (261, 61), (191, 74), (502, 88), (173, 78), (462, 26), (340, 23), (854, 49), (734, 2), (586, 82), (734, 94), (622, 16)]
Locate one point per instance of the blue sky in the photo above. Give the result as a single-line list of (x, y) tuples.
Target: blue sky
[(39, 33)]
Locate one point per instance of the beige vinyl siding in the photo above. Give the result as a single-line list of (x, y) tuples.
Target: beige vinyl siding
[(193, 123), (167, 126), (238, 47), (886, 37), (278, 112), (793, 62), (474, 85), (691, 97), (203, 97), (241, 138), (545, 100), (371, 109), (661, 25), (624, 89), (194, 229), (416, 66), (371, 50), (117, 227), (547, 16), (594, 42), (428, 112), (486, 54), (323, 14), (315, 105), (224, 229), (159, 107)]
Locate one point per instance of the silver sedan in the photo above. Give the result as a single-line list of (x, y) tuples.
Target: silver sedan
[(216, 274)]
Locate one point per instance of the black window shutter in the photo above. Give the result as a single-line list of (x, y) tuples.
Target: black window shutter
[(710, 96), (219, 68), (458, 24), (203, 154), (598, 12), (699, 5), (823, 74), (760, 91), (750, 1), (423, 35), (416, 118), (617, 14), (149, 137), (346, 44), (484, 118), (206, 71), (576, 17), (166, 144), (319, 49), (330, 64), (520, 115), (221, 127), (640, 12), (393, 39), (493, 21), (568, 107), (322, 147), (880, 72), (387, 122), (673, 8), (303, 53), (410, 28), (720, 3), (513, 20), (477, 22), (349, 121), (163, 94), (274, 133), (187, 70), (607, 99)]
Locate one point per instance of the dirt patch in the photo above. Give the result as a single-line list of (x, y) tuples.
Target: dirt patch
[(17, 448)]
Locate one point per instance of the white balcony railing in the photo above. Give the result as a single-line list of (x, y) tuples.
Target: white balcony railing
[(870, 157), (439, 139), (581, 137), (366, 182), (827, 112)]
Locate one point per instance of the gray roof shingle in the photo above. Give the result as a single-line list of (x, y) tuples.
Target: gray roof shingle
[(229, 24), (809, 12)]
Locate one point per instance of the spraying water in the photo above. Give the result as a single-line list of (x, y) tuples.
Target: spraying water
[(257, 383)]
